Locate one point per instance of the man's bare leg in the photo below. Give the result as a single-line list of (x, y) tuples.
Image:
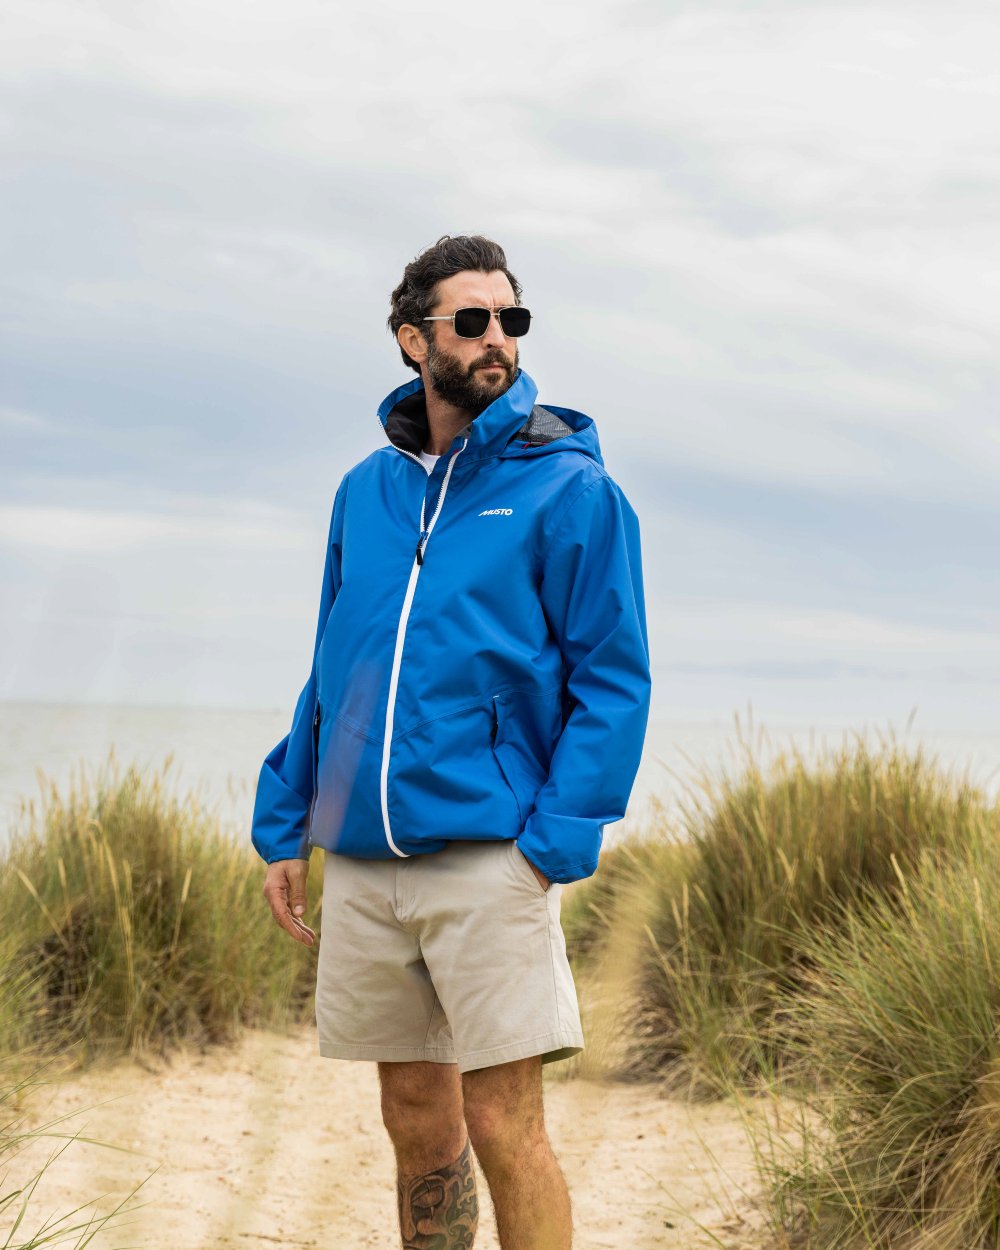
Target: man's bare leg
[(505, 1119), (435, 1177)]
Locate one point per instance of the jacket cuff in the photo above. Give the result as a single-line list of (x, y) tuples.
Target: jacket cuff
[(280, 820), (564, 848)]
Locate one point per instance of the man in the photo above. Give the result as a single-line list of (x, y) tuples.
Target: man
[(474, 716)]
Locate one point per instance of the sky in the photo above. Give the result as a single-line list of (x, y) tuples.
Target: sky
[(759, 241)]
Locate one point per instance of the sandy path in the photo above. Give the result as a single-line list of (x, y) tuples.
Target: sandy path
[(268, 1144)]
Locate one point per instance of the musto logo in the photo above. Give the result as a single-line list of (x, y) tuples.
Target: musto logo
[(498, 512)]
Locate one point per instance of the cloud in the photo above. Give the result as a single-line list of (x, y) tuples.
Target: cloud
[(79, 529), (834, 632), (18, 420), (758, 242)]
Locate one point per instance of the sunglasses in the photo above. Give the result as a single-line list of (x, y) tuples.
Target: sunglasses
[(472, 323)]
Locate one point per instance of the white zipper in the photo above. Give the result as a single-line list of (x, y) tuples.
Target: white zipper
[(401, 629)]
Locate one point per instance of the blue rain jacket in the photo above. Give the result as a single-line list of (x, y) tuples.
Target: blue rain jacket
[(481, 663)]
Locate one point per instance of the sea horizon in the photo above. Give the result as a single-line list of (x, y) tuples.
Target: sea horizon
[(216, 752)]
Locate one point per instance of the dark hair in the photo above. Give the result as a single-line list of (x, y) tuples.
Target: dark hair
[(413, 299)]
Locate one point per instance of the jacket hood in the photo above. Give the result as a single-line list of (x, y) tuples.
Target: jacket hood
[(513, 426)]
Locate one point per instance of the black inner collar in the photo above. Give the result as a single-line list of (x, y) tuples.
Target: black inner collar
[(407, 426)]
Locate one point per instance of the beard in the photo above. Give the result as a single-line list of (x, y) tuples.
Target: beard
[(462, 385)]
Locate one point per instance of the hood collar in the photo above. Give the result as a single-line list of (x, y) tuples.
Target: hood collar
[(403, 416)]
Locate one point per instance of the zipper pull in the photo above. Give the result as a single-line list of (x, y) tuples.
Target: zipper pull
[(421, 543)]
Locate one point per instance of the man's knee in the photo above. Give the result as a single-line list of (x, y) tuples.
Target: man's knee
[(503, 1109), (421, 1100)]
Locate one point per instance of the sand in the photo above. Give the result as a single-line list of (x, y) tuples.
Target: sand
[(267, 1144)]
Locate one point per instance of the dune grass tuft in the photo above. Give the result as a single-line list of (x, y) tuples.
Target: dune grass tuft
[(752, 865), (20, 1201), (899, 1028), (132, 922), (828, 932), (22, 1138)]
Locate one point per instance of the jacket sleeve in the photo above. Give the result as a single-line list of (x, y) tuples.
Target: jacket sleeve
[(592, 597), (280, 826)]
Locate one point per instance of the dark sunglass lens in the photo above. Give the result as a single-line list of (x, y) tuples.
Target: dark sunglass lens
[(471, 323), (514, 321)]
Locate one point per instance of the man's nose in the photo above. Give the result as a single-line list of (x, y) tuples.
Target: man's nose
[(494, 336)]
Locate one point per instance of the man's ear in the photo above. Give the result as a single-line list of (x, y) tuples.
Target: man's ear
[(412, 342)]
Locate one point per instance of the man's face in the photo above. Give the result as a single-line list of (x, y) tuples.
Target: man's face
[(470, 373)]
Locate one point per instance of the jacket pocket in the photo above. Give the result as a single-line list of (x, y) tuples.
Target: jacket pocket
[(527, 727), (315, 769), (498, 756), (445, 782)]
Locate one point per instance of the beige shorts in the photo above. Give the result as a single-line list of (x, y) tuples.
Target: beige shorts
[(457, 956)]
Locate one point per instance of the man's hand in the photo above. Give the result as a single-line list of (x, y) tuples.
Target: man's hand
[(285, 891)]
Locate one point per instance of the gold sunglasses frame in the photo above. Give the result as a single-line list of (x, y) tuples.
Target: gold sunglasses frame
[(494, 312)]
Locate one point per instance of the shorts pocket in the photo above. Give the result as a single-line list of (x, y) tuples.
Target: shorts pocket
[(523, 867)]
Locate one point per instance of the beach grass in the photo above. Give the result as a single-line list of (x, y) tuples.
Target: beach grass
[(899, 1027), (20, 1201), (21, 1137), (132, 922), (825, 932), (732, 887)]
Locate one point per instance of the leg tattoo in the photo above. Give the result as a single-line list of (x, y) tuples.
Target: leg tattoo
[(440, 1209)]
